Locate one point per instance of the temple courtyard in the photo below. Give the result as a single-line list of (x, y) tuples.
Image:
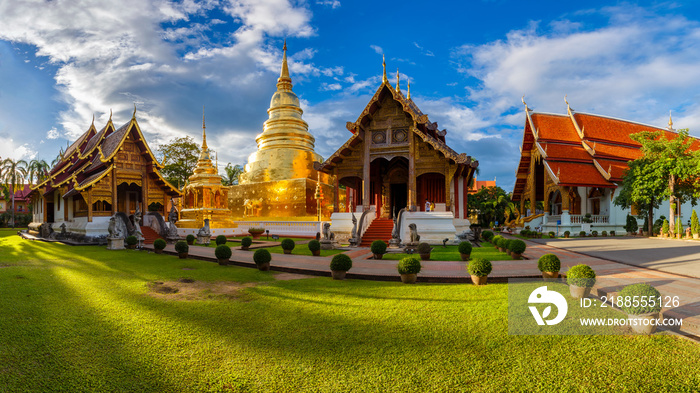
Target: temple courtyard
[(81, 318)]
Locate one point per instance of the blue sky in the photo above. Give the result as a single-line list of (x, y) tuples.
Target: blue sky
[(469, 63)]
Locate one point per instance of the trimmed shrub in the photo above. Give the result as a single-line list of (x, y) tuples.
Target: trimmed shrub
[(190, 238), (341, 262), (479, 267), (507, 243), (549, 263), (604, 233), (645, 226), (465, 248), (567, 233), (182, 247), (665, 228), (262, 256), (612, 233), (694, 223), (631, 225), (517, 246), (582, 234), (159, 244), (222, 251), (314, 245), (423, 248), (246, 241), (581, 276), (633, 296), (594, 233), (496, 239), (409, 265), (679, 228), (552, 235), (378, 247), (288, 244), (131, 240), (524, 232), (221, 239), (487, 235)]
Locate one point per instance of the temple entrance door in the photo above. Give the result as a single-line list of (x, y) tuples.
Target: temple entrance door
[(49, 212), (127, 198), (399, 198)]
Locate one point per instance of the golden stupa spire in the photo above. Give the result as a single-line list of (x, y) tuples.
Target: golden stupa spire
[(284, 83), (384, 78), (398, 86), (670, 121), (409, 89), (204, 132)]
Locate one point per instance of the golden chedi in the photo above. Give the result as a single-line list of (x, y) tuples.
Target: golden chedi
[(279, 181), (205, 196)]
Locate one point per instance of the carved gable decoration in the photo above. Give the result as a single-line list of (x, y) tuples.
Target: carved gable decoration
[(378, 137)]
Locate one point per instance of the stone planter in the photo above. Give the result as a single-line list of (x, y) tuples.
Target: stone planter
[(264, 266), (425, 257), (566, 236), (696, 236), (338, 274), (465, 257), (409, 278), (287, 251), (579, 292), (378, 256), (157, 251), (256, 234), (182, 255), (223, 262), (550, 276), (643, 323), (476, 280), (316, 253), (516, 256), (245, 248)]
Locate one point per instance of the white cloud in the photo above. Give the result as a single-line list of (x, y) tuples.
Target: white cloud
[(331, 3), (10, 149), (377, 49), (52, 133), (332, 86)]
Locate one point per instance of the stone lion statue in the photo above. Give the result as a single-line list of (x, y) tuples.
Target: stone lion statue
[(413, 233), (113, 229), (327, 234), (205, 230)]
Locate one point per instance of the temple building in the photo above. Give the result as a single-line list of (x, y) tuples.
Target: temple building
[(103, 172), (572, 164), (398, 159)]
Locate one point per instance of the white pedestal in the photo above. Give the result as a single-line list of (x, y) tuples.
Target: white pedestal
[(115, 244)]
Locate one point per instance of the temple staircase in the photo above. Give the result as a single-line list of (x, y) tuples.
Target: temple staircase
[(149, 235), (379, 229)]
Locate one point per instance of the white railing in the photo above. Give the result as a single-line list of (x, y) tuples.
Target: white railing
[(597, 219), (553, 219)]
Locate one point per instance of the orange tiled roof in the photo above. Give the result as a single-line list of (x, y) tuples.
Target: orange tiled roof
[(578, 174), (616, 169), (567, 152), (616, 152), (555, 128)]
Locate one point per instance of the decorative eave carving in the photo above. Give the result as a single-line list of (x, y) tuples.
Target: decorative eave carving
[(550, 172)]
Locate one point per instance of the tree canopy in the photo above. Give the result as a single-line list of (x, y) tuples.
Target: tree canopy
[(181, 156), (490, 204), (230, 178)]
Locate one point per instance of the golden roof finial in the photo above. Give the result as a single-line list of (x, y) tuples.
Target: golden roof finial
[(284, 83), (398, 87), (384, 78), (670, 121), (93, 119), (567, 103), (523, 100), (110, 114), (133, 116), (409, 89), (204, 132)]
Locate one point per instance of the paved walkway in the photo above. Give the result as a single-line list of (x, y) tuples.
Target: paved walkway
[(569, 251)]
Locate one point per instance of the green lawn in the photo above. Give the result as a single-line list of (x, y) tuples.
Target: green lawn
[(84, 319), (302, 249), (451, 253)]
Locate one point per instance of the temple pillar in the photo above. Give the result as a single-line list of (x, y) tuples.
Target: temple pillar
[(336, 204), (89, 205), (365, 173), (565, 206), (456, 190), (465, 189), (114, 191), (412, 197)]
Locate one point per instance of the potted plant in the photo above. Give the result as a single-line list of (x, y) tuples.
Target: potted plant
[(631, 225), (604, 233), (287, 245), (223, 253), (131, 242), (642, 303), (340, 264), (581, 279), (378, 248), (552, 235), (159, 246), (506, 245), (495, 241), (479, 269), (587, 218), (517, 248), (262, 259), (612, 233), (567, 234), (465, 250), (221, 239), (409, 268), (182, 249), (582, 234), (246, 242), (665, 230), (486, 235), (255, 232), (694, 225), (679, 229), (190, 239), (424, 250), (594, 233), (314, 247), (549, 265)]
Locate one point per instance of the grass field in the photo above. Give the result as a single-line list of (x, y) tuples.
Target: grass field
[(451, 253), (77, 319)]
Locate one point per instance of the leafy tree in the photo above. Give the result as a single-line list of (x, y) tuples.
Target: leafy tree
[(37, 170), (694, 223), (232, 173), (13, 172), (491, 204), (181, 156)]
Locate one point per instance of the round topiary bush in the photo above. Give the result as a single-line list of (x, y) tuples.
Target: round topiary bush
[(131, 240), (314, 245), (639, 299), (221, 239), (159, 244), (612, 233), (604, 233), (341, 262), (594, 233), (423, 248), (378, 247), (287, 244), (246, 241), (581, 276), (479, 267), (487, 235), (582, 234), (567, 233), (182, 247), (190, 238), (262, 256), (496, 239), (665, 228), (409, 265), (505, 243), (524, 232), (517, 246), (552, 234), (222, 252), (549, 263), (465, 248)]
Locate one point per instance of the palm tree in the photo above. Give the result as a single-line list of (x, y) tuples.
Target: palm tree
[(36, 171), (231, 176), (13, 174)]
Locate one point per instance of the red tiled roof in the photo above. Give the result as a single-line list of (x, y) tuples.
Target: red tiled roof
[(565, 152), (612, 130), (479, 184), (21, 193), (615, 168), (616, 152), (555, 128), (578, 174)]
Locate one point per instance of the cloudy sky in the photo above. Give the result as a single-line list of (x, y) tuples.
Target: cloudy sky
[(469, 63)]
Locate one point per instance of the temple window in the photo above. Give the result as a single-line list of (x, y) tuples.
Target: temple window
[(101, 206)]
